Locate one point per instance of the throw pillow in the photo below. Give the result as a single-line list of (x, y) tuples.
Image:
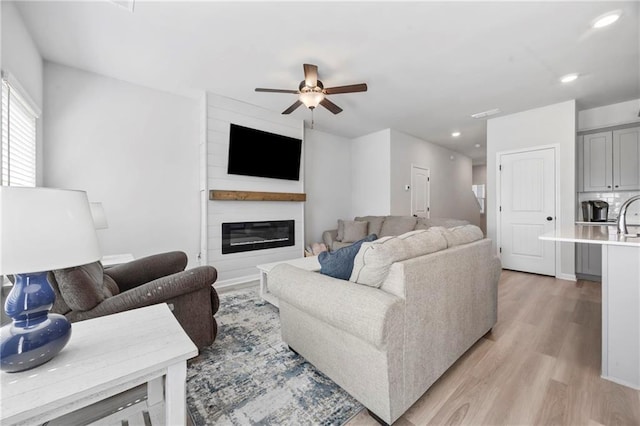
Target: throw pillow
[(375, 223), (374, 259), (339, 263), (340, 235), (354, 231)]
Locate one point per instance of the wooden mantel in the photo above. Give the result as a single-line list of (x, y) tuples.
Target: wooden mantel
[(224, 195)]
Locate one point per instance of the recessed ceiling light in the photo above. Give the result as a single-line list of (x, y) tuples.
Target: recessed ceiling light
[(484, 114), (569, 78), (455, 134), (477, 145), (605, 20)]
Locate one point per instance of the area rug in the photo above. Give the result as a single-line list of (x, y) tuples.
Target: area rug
[(249, 376)]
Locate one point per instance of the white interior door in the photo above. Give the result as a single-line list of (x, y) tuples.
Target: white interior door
[(419, 191), (527, 210)]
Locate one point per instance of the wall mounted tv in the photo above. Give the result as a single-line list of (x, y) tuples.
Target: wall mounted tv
[(256, 153)]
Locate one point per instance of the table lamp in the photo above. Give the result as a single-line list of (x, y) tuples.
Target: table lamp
[(99, 217), (41, 229)]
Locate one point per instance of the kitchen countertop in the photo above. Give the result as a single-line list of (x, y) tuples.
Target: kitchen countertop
[(593, 234), (608, 223)]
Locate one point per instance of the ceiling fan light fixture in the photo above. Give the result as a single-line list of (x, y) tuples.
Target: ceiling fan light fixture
[(311, 98)]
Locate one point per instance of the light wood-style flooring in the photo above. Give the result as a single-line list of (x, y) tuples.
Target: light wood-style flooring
[(539, 366)]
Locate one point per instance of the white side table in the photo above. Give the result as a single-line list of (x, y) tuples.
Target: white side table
[(104, 357), (309, 263)]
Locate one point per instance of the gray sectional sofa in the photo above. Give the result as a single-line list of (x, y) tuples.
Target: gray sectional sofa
[(413, 305), (383, 226)]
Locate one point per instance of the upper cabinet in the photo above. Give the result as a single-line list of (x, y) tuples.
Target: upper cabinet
[(609, 161)]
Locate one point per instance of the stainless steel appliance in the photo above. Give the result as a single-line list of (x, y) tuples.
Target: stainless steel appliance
[(586, 211), (599, 211), (595, 211)]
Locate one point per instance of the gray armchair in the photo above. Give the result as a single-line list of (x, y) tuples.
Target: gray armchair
[(90, 291)]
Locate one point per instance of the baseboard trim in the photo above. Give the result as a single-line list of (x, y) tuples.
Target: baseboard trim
[(236, 283), (567, 277)]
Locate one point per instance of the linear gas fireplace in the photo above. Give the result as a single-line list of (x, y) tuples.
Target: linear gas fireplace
[(247, 236)]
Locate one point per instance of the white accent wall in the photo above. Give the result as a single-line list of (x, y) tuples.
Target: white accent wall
[(327, 181), (240, 267), (450, 178), (131, 148), (553, 124)]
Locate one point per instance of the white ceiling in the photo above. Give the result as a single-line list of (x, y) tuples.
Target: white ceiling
[(428, 65)]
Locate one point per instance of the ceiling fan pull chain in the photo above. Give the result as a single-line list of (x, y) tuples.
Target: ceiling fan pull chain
[(312, 118)]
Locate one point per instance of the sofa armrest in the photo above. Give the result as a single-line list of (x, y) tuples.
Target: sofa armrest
[(132, 274), (154, 292), (328, 237), (365, 312)]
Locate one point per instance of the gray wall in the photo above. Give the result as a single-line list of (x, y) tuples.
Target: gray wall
[(134, 149), (327, 182), (450, 176), (550, 125), (20, 57), (479, 177), (371, 174)]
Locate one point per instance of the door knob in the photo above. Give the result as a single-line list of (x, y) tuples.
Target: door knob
[(549, 218)]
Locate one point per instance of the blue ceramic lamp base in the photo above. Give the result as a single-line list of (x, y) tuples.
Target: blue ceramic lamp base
[(35, 336)]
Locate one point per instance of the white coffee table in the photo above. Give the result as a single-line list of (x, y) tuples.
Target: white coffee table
[(104, 357), (308, 263)]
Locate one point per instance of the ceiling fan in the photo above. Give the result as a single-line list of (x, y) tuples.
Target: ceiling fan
[(311, 92)]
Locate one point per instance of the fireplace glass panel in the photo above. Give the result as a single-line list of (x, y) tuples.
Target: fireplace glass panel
[(248, 236)]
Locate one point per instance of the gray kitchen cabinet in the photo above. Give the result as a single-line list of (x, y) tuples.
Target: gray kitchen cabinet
[(626, 159), (589, 261), (609, 161)]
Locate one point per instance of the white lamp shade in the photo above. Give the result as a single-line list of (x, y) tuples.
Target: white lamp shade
[(99, 218), (42, 229)]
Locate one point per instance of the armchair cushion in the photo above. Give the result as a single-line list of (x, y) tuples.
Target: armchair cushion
[(157, 291), (132, 274), (82, 287)]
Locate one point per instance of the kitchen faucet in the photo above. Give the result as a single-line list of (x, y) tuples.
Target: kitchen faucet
[(622, 220)]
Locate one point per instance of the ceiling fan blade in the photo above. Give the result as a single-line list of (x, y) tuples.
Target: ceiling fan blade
[(292, 108), (310, 75), (260, 89), (362, 87), (330, 106)]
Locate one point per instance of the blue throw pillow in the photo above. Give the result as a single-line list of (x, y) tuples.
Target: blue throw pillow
[(339, 263)]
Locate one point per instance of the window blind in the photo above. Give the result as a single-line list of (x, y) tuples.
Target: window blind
[(18, 154)]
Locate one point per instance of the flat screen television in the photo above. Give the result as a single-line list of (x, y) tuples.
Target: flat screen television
[(257, 153)]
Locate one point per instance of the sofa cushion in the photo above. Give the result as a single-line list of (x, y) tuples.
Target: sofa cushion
[(461, 235), (339, 263), (354, 231), (426, 223), (375, 223), (372, 263), (82, 287), (397, 225)]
